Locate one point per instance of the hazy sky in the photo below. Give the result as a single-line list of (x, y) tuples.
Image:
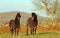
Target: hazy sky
[(18, 5)]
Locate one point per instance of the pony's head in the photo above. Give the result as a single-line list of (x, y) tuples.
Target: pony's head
[(33, 15), (18, 16)]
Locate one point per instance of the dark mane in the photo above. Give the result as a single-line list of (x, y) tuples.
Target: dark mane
[(35, 18), (18, 15), (17, 21)]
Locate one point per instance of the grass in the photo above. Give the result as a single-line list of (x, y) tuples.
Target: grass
[(47, 34)]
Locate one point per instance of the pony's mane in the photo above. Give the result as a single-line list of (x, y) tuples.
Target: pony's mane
[(17, 22), (35, 16)]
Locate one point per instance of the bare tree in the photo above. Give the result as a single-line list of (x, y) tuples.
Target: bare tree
[(49, 5)]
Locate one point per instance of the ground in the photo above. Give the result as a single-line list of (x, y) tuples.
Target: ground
[(50, 34)]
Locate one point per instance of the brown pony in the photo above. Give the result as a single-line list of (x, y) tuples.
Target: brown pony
[(15, 24), (32, 23)]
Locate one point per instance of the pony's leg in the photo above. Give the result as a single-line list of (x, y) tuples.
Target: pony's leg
[(17, 31), (35, 29), (11, 31), (32, 30), (27, 32)]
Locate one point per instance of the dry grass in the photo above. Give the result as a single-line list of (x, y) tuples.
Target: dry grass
[(42, 32), (5, 28)]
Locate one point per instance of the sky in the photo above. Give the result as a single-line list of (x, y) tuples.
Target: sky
[(19, 5), (15, 5)]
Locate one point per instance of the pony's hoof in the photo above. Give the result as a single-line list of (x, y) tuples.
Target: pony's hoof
[(27, 34)]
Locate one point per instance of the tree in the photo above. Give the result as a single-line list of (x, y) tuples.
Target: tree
[(49, 5)]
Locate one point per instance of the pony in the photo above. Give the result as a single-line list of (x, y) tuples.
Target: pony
[(32, 22), (14, 24)]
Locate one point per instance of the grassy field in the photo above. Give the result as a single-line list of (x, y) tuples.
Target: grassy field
[(42, 32), (46, 34)]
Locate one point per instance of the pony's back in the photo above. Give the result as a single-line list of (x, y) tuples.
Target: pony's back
[(12, 23)]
